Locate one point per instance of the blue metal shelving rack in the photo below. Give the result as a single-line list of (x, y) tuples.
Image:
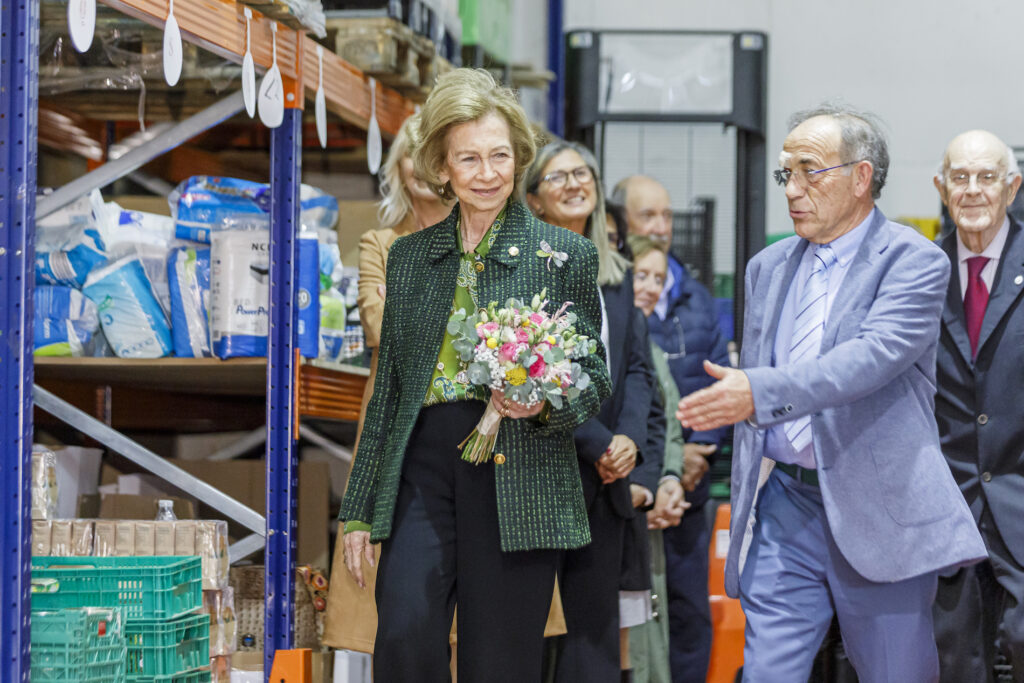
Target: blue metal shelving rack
[(19, 66), (19, 28)]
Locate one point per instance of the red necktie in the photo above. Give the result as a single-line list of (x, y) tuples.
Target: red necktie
[(975, 300)]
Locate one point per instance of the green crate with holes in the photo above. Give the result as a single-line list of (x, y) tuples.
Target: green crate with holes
[(165, 647), (84, 645), (143, 587)]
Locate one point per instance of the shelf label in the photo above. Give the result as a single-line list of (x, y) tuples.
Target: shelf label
[(373, 141), (321, 101), (271, 99), (248, 70), (172, 48), (82, 23)]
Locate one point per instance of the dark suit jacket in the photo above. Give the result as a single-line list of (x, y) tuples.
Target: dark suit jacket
[(626, 411), (539, 498), (980, 406)]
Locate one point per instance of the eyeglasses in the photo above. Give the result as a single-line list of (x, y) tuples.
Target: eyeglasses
[(804, 176), (983, 178), (582, 174)]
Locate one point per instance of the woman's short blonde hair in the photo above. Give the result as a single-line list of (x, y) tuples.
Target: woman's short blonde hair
[(642, 245), (462, 96), (395, 204)]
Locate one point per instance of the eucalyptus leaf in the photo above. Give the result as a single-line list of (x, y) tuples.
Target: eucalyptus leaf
[(479, 373), (583, 382), (555, 401)]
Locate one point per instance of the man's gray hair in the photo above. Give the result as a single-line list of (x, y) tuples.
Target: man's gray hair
[(861, 138)]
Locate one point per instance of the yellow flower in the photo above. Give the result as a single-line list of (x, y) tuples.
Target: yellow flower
[(516, 376), (492, 343), (551, 340)]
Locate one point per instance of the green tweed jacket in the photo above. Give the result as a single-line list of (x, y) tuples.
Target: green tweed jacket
[(540, 499)]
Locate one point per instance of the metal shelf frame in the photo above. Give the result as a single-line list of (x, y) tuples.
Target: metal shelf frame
[(219, 27)]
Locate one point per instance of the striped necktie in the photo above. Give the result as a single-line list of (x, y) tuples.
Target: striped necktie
[(807, 329)]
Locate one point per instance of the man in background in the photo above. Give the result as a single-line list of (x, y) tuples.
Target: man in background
[(979, 610), (685, 327)]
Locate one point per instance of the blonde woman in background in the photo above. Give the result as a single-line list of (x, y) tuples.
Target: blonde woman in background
[(408, 205)]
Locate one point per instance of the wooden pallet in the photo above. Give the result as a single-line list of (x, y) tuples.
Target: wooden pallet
[(386, 49)]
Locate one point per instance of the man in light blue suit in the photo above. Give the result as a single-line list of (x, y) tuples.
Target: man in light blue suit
[(841, 500)]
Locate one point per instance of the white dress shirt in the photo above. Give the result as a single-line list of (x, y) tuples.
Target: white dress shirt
[(993, 251), (777, 445)]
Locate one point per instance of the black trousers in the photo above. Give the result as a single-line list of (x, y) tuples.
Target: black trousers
[(445, 549), (689, 612), (979, 615), (588, 579)]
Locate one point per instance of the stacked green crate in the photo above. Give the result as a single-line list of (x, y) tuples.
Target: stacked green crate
[(85, 645), (165, 640)]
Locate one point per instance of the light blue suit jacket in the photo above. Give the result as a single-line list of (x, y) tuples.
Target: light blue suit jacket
[(891, 502)]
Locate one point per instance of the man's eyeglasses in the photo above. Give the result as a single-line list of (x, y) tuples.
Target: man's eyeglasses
[(582, 174), (803, 176), (986, 178)]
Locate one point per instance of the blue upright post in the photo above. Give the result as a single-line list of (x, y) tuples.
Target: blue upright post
[(556, 63), (282, 458), (19, 70)]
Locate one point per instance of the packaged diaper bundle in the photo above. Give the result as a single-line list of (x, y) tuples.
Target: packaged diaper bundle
[(129, 313), (240, 291), (65, 322), (68, 245), (188, 274), (201, 204)]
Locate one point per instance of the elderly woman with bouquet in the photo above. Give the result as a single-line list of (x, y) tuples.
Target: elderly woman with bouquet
[(481, 528)]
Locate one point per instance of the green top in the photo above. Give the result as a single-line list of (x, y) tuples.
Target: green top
[(444, 387), (673, 430)]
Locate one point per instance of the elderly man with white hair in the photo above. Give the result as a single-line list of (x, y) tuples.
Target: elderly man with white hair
[(979, 610)]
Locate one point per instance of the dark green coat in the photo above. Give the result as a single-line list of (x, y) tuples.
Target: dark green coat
[(540, 500)]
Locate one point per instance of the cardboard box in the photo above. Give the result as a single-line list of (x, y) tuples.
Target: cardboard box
[(78, 472)]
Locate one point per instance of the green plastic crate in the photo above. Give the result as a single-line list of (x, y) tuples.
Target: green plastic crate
[(165, 647), (143, 587), (200, 676), (83, 645)]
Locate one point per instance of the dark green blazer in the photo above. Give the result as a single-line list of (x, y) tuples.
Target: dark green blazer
[(540, 500)]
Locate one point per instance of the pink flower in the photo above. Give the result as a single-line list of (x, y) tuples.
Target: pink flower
[(508, 352), (538, 368), (487, 329), (522, 336), (541, 348), (536, 318)]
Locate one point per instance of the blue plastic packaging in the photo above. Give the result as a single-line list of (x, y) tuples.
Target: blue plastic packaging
[(132, 320), (309, 295), (65, 322), (188, 276)]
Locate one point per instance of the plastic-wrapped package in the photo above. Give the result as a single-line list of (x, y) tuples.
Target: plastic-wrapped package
[(68, 245), (145, 539), (185, 538), (332, 302), (61, 538), (220, 605), (41, 537), (220, 667), (132, 319), (81, 537), (44, 483), (308, 294), (124, 539), (105, 538), (200, 204), (239, 292), (66, 322), (188, 274), (118, 226), (212, 547)]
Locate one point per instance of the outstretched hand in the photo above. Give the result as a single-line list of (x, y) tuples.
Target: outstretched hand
[(727, 401), (357, 549)]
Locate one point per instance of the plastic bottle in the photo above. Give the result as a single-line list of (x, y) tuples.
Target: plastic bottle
[(166, 511)]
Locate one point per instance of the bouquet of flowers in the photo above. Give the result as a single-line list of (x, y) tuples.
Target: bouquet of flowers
[(522, 350)]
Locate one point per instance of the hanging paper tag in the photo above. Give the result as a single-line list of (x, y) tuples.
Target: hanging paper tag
[(320, 108), (271, 98), (172, 48), (248, 69), (373, 141), (82, 23)]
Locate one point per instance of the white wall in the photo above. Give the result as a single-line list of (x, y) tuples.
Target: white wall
[(929, 68)]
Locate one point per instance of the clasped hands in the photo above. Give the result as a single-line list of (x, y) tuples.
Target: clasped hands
[(618, 460)]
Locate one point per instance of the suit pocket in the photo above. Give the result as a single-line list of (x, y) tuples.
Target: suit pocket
[(915, 490)]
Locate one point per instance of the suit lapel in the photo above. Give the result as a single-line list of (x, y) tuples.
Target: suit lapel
[(618, 323), (953, 316), (778, 289), (1006, 286)]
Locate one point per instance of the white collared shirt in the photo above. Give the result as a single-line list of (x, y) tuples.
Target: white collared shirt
[(778, 446), (661, 308), (993, 251)]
